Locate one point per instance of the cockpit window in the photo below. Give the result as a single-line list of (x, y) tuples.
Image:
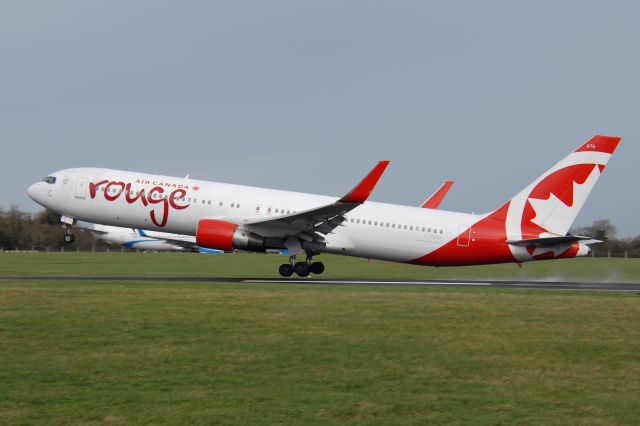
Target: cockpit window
[(49, 179)]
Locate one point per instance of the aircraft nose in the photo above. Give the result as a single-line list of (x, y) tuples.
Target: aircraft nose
[(34, 192)]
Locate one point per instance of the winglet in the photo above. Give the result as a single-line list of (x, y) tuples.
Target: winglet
[(360, 193), (436, 198)]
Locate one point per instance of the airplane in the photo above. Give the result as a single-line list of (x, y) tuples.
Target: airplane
[(140, 239), (533, 225)]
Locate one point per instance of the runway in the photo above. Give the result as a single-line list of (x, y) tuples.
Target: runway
[(523, 285)]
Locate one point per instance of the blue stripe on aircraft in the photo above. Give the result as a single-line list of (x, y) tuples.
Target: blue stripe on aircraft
[(209, 251), (131, 243)]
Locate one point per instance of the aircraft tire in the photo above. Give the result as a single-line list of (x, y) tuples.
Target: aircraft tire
[(316, 268), (286, 270), (301, 268)]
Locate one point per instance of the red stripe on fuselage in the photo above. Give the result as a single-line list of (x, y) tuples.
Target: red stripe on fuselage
[(487, 245)]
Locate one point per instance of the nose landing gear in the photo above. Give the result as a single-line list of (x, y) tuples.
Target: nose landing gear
[(303, 269), (69, 238), (67, 224)]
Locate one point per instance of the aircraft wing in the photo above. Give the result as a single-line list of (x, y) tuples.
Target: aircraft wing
[(308, 224), (436, 198), (95, 231), (91, 227), (191, 245), (185, 244), (551, 241)]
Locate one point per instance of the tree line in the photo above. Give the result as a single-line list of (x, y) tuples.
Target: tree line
[(40, 231), (43, 231)]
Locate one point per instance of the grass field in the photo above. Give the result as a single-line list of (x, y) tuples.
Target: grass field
[(199, 353), (261, 266)]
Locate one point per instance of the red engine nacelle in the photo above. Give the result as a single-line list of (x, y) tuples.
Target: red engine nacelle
[(223, 235)]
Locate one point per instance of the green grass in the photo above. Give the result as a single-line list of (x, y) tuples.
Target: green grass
[(198, 353), (260, 265)]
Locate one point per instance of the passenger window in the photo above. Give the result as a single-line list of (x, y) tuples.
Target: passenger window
[(358, 221), (441, 231), (232, 205), (237, 206), (220, 203), (411, 228)]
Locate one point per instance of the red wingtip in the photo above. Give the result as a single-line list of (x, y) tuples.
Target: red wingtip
[(434, 201), (598, 143), (360, 193)]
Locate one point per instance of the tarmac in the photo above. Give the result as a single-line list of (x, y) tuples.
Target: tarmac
[(523, 285)]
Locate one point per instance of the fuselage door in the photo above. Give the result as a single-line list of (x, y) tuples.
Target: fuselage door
[(81, 188), (464, 236)]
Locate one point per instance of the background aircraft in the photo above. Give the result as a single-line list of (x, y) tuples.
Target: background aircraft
[(140, 239)]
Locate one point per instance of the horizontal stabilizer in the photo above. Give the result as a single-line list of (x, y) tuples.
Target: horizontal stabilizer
[(552, 241)]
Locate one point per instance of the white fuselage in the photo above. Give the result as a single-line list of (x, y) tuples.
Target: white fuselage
[(176, 205)]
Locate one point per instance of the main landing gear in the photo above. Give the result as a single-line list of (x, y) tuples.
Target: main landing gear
[(303, 269)]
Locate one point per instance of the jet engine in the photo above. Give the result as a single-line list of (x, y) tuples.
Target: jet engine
[(223, 235)]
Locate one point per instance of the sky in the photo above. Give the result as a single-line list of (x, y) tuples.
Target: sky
[(308, 96)]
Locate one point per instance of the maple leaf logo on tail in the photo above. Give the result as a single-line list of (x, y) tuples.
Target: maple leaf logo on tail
[(549, 205), (555, 202)]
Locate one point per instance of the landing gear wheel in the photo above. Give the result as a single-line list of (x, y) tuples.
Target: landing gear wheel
[(286, 270), (316, 268), (69, 238), (301, 268)]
